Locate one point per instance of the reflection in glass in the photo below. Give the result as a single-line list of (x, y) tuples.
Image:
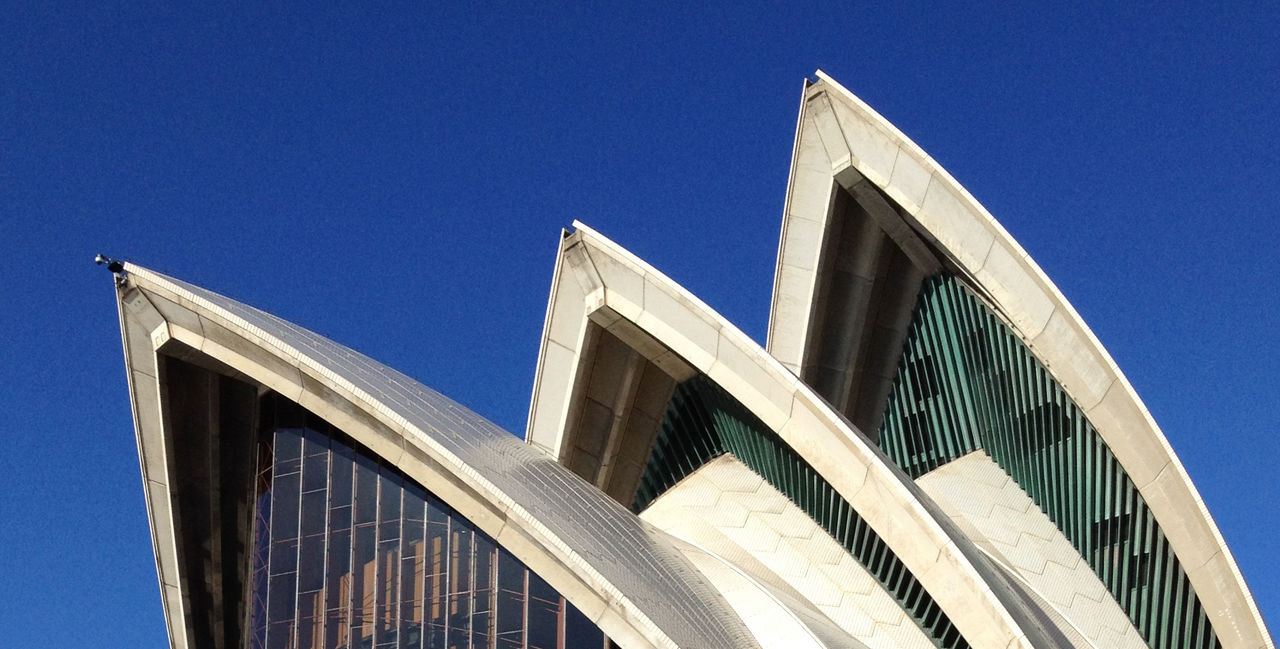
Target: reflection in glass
[(350, 554)]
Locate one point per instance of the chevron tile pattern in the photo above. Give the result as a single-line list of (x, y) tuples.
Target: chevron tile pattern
[(726, 508), (985, 502)]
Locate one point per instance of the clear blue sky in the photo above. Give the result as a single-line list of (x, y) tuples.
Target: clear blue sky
[(396, 180)]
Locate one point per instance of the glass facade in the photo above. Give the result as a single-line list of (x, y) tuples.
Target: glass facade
[(966, 382), (349, 553)]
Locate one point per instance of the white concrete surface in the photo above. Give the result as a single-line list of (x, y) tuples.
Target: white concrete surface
[(632, 583), (984, 253), (729, 510), (984, 500), (947, 565)]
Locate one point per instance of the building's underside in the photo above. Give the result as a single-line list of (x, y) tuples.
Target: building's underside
[(932, 450)]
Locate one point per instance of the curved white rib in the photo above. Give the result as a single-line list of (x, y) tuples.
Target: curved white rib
[(838, 132), (634, 584), (602, 283), (1005, 523), (730, 510)]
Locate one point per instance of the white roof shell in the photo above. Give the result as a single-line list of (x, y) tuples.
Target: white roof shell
[(837, 134), (631, 581), (599, 282)]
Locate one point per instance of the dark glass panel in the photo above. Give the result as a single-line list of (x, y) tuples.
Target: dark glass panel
[(545, 609), (412, 566), (437, 567), (366, 494), (280, 634), (310, 621), (364, 581), (341, 462), (459, 583), (483, 591), (389, 504), (389, 499), (315, 443), (313, 513), (338, 563), (509, 616), (311, 564), (364, 550), (288, 451), (315, 470), (280, 600), (338, 588), (580, 632), (284, 507), (339, 518), (284, 557)]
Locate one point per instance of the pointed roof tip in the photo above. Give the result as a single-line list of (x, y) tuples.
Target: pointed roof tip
[(827, 79), (114, 265), (821, 77)]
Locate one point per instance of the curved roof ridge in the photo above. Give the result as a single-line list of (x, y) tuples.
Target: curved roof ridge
[(962, 228), (636, 572), (614, 280)]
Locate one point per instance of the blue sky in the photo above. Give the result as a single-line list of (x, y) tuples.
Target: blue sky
[(396, 179)]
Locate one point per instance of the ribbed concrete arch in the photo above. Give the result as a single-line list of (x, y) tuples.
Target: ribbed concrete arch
[(599, 284), (1005, 523), (733, 512), (841, 141), (775, 622), (633, 583)]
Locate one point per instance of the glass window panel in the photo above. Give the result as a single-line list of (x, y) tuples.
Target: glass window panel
[(389, 504), (284, 507), (364, 580), (579, 631), (415, 507), (281, 589), (288, 451), (364, 550), (390, 495), (339, 518), (437, 567), (366, 494), (460, 549), (544, 614), (311, 564), (315, 471), (341, 462), (280, 634), (338, 588), (388, 587), (509, 616), (460, 563), (313, 513), (284, 557), (310, 621), (483, 590), (412, 566), (411, 600), (315, 442)]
